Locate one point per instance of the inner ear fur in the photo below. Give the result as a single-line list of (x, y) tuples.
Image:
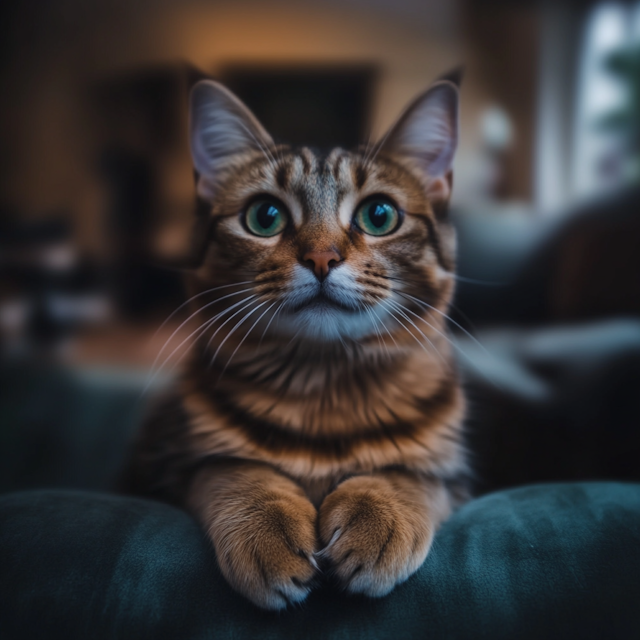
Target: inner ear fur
[(221, 126), (426, 135)]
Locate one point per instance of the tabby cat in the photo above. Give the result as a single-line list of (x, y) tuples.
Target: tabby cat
[(317, 426)]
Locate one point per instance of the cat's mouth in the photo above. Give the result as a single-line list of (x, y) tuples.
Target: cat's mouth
[(322, 301)]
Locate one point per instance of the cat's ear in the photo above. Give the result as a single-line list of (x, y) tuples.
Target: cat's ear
[(427, 135), (221, 126)]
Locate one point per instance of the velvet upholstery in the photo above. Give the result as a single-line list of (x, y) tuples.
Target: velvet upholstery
[(545, 561), (65, 428)]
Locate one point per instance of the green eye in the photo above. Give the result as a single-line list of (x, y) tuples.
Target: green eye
[(377, 217), (265, 218)]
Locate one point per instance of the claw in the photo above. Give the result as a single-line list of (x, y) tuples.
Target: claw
[(313, 562), (309, 557), (323, 552)]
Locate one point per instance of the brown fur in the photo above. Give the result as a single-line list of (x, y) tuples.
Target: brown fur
[(341, 445)]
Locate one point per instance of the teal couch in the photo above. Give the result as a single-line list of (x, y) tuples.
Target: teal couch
[(553, 560), (540, 562)]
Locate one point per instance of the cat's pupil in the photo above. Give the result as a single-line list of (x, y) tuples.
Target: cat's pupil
[(266, 215), (378, 215)]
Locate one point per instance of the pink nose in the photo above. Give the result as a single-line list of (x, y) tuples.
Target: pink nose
[(321, 261)]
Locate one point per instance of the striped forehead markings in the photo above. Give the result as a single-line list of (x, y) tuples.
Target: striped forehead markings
[(283, 175), (308, 160), (337, 163), (360, 176), (314, 187), (323, 186)]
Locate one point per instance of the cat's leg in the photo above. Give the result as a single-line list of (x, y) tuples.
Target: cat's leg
[(263, 528), (377, 529)]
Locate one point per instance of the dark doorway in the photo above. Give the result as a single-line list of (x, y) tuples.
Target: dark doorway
[(318, 106)]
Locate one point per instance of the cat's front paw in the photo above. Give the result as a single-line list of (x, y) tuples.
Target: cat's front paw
[(372, 539), (266, 550)]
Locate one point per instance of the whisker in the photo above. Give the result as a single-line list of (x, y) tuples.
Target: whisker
[(346, 350), (384, 326), (426, 305), (209, 323), (393, 315), (368, 149), (464, 316), (246, 335), (440, 333), (269, 323), (193, 315), (451, 274), (200, 330), (420, 284), (378, 146), (295, 335), (455, 345), (264, 149), (230, 333), (192, 298), (375, 326), (228, 320), (404, 315), (482, 283), (279, 149)]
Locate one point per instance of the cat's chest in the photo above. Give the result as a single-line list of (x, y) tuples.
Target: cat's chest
[(318, 442)]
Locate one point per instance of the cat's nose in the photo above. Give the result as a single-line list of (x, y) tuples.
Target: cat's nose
[(320, 262)]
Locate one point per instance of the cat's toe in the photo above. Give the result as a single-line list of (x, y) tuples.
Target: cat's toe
[(282, 584), (370, 545), (270, 559)]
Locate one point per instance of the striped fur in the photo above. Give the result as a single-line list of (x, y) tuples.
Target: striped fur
[(317, 421)]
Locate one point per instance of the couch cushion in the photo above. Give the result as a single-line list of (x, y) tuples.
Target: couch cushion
[(546, 561), (65, 428)]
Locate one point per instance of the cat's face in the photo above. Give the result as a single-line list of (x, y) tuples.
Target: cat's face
[(324, 246)]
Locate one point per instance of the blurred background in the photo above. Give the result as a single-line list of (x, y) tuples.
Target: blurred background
[(97, 200)]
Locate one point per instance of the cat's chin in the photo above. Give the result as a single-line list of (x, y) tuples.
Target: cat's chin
[(326, 321)]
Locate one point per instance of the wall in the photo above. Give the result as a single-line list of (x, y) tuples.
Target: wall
[(58, 50)]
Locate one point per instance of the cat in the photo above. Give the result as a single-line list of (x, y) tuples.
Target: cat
[(318, 425)]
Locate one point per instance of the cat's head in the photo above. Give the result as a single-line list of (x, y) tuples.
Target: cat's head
[(341, 245)]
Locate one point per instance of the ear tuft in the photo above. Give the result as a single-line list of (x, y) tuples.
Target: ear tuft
[(221, 126)]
